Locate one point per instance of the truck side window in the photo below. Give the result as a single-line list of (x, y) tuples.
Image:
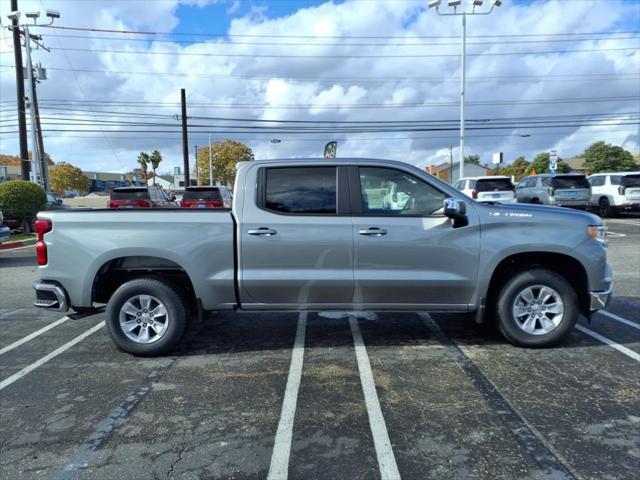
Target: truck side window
[(386, 191), (301, 190), (597, 181)]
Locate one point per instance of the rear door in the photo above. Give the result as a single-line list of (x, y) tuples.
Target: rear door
[(410, 255), (570, 189), (631, 188), (296, 240)]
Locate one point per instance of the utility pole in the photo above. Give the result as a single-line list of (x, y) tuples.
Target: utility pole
[(25, 167), (44, 163), (196, 167), (185, 139), (210, 164), (35, 153)]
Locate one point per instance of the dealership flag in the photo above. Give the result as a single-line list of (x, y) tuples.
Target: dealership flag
[(330, 150)]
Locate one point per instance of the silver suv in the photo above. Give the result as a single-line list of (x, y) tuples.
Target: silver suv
[(567, 190)]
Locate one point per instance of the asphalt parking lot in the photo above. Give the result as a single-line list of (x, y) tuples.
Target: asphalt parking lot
[(321, 395)]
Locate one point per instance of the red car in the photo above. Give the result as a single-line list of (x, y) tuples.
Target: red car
[(207, 197), (141, 197)]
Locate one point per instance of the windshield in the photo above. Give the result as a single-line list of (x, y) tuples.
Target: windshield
[(494, 185), (569, 182), (130, 194), (204, 194)]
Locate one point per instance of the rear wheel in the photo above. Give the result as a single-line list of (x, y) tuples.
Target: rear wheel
[(604, 208), (537, 308), (536, 201), (146, 317)]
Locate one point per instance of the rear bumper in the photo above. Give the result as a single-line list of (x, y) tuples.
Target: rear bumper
[(50, 295)]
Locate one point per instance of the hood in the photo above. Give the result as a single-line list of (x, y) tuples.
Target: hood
[(540, 211)]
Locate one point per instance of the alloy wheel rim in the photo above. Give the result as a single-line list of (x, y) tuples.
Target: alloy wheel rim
[(538, 309), (144, 319)]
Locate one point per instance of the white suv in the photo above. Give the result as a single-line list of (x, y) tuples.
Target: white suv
[(614, 192), (488, 189)]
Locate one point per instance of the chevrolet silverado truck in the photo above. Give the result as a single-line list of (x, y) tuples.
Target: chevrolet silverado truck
[(318, 235)]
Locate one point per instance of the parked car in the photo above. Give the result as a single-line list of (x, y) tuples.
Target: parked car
[(5, 232), (566, 190), (301, 237), (488, 189), (207, 197), (141, 197), (53, 203), (615, 192)]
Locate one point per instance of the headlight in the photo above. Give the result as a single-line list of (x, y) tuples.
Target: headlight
[(598, 232)]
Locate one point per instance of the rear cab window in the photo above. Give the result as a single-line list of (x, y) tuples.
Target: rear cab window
[(631, 180), (300, 190)]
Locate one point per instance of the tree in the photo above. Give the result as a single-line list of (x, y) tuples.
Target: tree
[(604, 157), (472, 159), (15, 160), (65, 176), (143, 161), (541, 164), (517, 169), (21, 200), (225, 156), (155, 159)]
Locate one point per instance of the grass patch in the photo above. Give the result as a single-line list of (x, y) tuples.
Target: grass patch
[(20, 237)]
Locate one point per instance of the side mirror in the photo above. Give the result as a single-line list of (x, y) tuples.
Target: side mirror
[(173, 198), (59, 201), (456, 210)]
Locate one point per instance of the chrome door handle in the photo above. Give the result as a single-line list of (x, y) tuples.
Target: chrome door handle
[(267, 232), (373, 232)]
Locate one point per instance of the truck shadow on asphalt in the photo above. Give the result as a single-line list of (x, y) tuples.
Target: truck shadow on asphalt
[(237, 332)]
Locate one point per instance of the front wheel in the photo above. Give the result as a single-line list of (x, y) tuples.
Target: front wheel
[(146, 317), (537, 308)]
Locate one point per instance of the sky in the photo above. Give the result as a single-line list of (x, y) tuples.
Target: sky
[(553, 74)]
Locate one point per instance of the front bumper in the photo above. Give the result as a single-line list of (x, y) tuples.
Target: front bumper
[(599, 300), (50, 295)]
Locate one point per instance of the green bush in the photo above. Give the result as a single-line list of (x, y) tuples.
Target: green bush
[(21, 199)]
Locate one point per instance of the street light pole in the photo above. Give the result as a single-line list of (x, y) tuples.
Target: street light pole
[(455, 4), (210, 164), (35, 151), (462, 85)]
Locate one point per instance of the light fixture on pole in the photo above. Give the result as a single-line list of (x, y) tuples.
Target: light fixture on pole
[(455, 4)]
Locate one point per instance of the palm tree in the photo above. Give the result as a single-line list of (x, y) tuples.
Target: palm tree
[(155, 159), (143, 160)]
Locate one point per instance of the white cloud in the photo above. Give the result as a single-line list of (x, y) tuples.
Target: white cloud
[(311, 81)]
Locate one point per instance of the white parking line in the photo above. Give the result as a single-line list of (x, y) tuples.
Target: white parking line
[(622, 349), (33, 335), (11, 313), (619, 319), (279, 468), (384, 452), (29, 368), (626, 222)]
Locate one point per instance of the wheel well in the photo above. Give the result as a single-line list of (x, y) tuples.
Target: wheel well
[(564, 265), (120, 270)]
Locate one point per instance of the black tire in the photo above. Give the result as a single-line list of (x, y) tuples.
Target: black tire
[(172, 300), (535, 201), (605, 209), (509, 325)]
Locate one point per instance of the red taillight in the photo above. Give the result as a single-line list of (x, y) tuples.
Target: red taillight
[(112, 204), (206, 203), (130, 203), (215, 203), (42, 227), (474, 194)]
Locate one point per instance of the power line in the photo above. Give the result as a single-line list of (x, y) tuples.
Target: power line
[(485, 79), (341, 37), (270, 55), (367, 44)]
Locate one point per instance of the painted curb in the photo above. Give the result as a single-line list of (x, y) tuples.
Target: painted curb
[(14, 245)]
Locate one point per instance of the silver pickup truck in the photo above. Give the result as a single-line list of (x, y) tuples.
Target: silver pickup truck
[(319, 235)]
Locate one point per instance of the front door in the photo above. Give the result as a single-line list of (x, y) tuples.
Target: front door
[(296, 239), (409, 253)]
